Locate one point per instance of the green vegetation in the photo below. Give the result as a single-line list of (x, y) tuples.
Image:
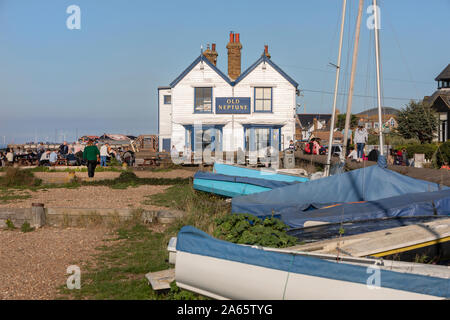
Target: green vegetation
[(129, 179), (26, 227), (14, 177), (417, 121), (120, 267), (248, 229), (10, 225), (443, 154), (8, 195), (24, 179), (341, 121)]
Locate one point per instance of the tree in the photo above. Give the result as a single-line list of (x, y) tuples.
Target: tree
[(418, 121), (341, 121)]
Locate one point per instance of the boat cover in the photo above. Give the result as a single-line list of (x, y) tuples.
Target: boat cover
[(407, 205), (194, 241), (270, 184), (365, 184), (266, 174)]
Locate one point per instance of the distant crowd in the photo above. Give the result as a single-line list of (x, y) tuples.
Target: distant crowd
[(356, 151), (66, 154)]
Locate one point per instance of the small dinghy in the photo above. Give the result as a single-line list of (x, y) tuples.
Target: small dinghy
[(224, 270), (232, 181)]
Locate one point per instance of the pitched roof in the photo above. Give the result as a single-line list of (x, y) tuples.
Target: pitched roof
[(444, 94), (444, 75), (308, 118), (262, 59), (201, 57), (374, 111), (227, 79)]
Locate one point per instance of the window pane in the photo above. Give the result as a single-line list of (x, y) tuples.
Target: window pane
[(267, 105), (259, 105), (267, 93), (203, 99), (259, 93), (207, 93)]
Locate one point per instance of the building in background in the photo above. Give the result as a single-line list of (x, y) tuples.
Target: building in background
[(316, 125), (440, 102), (370, 120), (203, 108)]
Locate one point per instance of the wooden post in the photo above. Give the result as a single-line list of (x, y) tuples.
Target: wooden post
[(37, 215)]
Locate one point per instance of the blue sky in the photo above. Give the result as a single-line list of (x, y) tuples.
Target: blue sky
[(103, 78)]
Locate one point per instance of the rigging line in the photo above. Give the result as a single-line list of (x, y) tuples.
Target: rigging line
[(336, 28), (359, 75), (403, 57), (357, 95)]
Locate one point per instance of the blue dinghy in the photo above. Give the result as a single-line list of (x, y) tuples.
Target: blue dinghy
[(231, 186), (266, 174)]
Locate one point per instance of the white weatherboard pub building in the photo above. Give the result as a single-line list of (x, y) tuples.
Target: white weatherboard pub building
[(204, 109)]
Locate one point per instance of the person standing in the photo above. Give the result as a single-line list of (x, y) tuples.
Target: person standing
[(103, 154), (10, 156), (92, 155), (64, 149), (361, 137), (373, 155)]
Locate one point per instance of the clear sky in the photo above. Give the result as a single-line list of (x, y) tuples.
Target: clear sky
[(104, 77)]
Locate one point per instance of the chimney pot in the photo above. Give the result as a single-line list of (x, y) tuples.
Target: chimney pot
[(213, 47), (266, 51), (234, 56)]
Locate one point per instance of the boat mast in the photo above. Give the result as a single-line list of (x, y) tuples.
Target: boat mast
[(336, 86), (352, 79), (377, 56)]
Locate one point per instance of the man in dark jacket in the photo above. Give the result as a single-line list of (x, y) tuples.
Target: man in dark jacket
[(373, 155), (92, 155), (64, 149)]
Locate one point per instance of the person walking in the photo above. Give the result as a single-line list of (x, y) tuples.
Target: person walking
[(103, 154), (360, 139), (92, 155)]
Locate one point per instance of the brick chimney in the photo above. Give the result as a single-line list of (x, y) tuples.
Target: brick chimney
[(211, 54), (266, 51), (234, 56)]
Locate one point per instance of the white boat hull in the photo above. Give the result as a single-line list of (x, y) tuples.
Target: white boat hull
[(224, 279)]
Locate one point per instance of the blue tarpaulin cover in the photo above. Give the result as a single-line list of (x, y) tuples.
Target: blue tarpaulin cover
[(197, 242), (408, 205), (366, 184)]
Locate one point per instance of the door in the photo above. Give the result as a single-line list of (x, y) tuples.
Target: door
[(166, 145)]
